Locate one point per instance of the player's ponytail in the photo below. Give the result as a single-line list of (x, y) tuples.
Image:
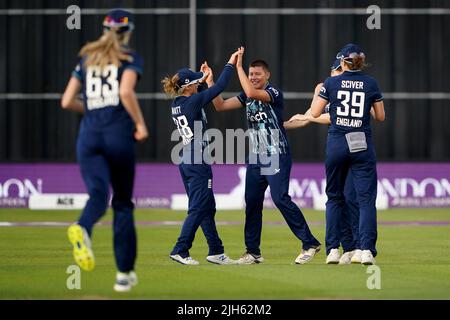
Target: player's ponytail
[(170, 86), (107, 49), (358, 62)]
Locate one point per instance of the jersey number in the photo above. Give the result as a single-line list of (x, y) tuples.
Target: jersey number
[(94, 86), (357, 106), (183, 128)]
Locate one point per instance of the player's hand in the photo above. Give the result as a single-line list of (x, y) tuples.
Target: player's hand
[(141, 132), (205, 69), (299, 117), (233, 58), (210, 77), (240, 53)]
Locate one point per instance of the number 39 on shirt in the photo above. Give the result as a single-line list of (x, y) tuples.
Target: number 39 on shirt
[(356, 109)]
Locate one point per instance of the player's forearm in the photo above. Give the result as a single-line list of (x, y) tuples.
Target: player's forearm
[(214, 89), (294, 124), (131, 104), (322, 119), (73, 105), (218, 103), (70, 100), (317, 107), (378, 108), (224, 77), (245, 83), (217, 88)]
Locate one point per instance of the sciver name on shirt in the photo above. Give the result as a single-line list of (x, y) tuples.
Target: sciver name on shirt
[(347, 84)]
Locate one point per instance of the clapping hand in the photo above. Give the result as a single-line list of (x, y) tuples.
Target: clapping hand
[(233, 58)]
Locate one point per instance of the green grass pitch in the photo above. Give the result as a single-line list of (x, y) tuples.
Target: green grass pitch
[(414, 260)]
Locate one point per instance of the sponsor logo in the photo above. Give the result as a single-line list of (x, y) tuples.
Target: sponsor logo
[(20, 188), (257, 117), (67, 201)]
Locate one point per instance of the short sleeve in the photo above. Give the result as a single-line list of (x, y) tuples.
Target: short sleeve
[(78, 71), (242, 98), (137, 64), (324, 90), (276, 96)]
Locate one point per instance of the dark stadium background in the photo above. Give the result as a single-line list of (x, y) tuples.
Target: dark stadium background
[(410, 57)]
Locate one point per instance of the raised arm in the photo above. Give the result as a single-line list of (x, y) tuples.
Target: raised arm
[(206, 96), (69, 99), (219, 103), (250, 91), (131, 104)]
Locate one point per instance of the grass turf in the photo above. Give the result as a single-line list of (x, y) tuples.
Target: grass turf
[(413, 260)]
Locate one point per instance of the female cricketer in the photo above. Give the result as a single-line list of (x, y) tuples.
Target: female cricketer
[(107, 74), (349, 224), (188, 114), (264, 111), (351, 95)]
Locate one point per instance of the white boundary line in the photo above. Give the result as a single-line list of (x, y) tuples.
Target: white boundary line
[(287, 96), (236, 11)]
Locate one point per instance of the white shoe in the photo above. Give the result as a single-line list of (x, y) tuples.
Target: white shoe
[(333, 257), (307, 255), (186, 261), (367, 258), (248, 258), (125, 281), (220, 259), (346, 257), (356, 258)]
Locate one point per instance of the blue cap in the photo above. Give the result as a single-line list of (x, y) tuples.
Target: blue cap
[(349, 51), (188, 77), (119, 20), (336, 65)]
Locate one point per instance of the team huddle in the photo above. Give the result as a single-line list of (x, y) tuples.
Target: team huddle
[(107, 74)]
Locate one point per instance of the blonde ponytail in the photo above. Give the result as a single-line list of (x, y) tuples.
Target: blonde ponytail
[(170, 86), (106, 50)]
